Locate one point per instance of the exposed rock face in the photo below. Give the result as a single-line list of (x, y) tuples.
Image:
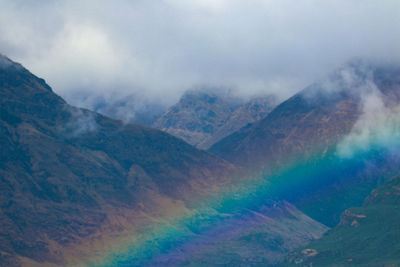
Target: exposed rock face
[(197, 116), (253, 110), (202, 118)]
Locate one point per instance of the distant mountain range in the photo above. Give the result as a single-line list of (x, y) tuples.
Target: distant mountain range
[(202, 117)]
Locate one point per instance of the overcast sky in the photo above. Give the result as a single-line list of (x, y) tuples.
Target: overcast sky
[(164, 47)]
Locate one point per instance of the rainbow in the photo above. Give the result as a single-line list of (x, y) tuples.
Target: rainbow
[(299, 182)]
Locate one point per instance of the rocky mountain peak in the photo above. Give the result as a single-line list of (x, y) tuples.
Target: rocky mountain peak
[(203, 117)]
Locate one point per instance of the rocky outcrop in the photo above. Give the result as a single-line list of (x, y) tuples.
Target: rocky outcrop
[(202, 117)]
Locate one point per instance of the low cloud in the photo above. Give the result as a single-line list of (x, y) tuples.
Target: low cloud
[(161, 48), (80, 122), (379, 123)]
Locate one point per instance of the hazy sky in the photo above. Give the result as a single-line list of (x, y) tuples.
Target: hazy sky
[(164, 47)]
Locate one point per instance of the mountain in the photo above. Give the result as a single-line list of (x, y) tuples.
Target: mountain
[(316, 130), (366, 236), (197, 116), (255, 109), (202, 117), (78, 188), (308, 119), (316, 117), (66, 173)]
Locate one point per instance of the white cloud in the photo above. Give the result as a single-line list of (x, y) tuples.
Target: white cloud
[(211, 5), (82, 53), (160, 48), (379, 123), (80, 122)]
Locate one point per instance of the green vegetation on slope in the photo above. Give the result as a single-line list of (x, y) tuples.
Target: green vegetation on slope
[(366, 236)]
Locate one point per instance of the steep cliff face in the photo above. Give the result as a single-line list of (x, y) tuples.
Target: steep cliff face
[(202, 118)]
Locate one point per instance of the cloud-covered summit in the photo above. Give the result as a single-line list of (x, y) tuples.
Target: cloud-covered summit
[(160, 48)]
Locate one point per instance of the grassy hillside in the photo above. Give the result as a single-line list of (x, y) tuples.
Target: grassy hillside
[(366, 236)]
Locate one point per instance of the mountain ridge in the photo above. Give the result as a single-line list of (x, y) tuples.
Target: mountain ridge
[(317, 126), (76, 186), (202, 117), (61, 160)]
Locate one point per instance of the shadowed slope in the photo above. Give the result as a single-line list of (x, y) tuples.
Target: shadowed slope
[(80, 189), (66, 173), (319, 116)]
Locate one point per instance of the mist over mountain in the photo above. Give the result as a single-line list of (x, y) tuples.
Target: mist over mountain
[(346, 124), (128, 108), (74, 182), (203, 117), (162, 48), (321, 114), (199, 133)]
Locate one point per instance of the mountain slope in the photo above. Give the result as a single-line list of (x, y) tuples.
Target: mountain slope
[(252, 238), (66, 173), (197, 116), (319, 128), (366, 236), (202, 118), (76, 187), (294, 127), (319, 116), (251, 111)]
